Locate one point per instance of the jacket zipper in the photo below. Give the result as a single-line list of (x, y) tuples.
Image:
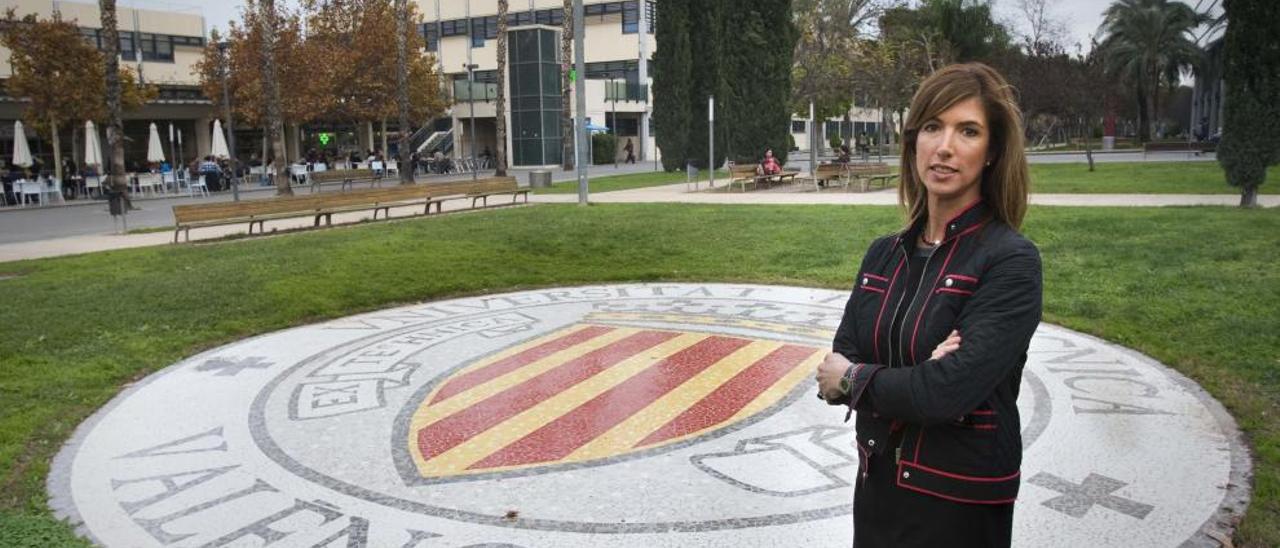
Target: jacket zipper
[(924, 273), (889, 362)]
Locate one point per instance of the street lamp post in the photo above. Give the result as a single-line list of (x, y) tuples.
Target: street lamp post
[(471, 99), (613, 84), (173, 158), (231, 124)]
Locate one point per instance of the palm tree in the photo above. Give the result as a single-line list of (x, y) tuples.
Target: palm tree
[(271, 92), (402, 89), (500, 167), (1149, 43), (115, 127)]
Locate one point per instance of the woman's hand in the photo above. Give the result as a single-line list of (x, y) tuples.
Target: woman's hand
[(948, 346), (829, 373)]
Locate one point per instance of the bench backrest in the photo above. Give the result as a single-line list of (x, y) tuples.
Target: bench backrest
[(742, 170), (315, 202), (828, 170), (340, 174), (871, 169)]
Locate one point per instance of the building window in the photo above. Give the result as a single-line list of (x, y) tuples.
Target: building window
[(431, 35), (552, 17), (606, 70), (127, 51), (798, 126), (483, 28), (651, 15), (456, 27), (630, 17), (155, 47)]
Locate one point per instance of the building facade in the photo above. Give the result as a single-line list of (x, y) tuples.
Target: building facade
[(161, 47), (464, 33)]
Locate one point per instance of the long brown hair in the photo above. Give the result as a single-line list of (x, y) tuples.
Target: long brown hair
[(1005, 182)]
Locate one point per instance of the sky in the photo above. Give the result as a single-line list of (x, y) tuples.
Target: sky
[(1081, 17)]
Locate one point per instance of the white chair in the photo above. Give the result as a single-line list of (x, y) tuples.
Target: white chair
[(52, 188), (197, 184), (319, 167), (298, 174), (148, 182), (24, 188), (92, 183)]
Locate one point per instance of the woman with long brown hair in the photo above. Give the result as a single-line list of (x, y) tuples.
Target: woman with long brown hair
[(934, 337)]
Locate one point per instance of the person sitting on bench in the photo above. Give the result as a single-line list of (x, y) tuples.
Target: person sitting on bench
[(769, 166)]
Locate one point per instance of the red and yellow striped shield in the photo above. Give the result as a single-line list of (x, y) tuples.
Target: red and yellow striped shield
[(591, 392)]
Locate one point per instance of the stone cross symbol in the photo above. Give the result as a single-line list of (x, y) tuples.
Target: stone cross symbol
[(1076, 500), (224, 367)]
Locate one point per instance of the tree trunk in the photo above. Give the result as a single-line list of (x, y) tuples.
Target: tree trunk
[(566, 116), (1144, 121), (402, 90), (384, 141), (57, 150), (115, 127), (1249, 197), (271, 91), (500, 159), (1088, 146)]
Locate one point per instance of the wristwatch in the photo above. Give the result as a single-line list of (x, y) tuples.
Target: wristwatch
[(846, 380)]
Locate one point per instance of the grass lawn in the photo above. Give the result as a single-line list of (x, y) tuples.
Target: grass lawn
[(1194, 288), (625, 182), (1140, 178)]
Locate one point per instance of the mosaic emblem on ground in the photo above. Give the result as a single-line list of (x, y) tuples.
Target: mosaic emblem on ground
[(624, 415)]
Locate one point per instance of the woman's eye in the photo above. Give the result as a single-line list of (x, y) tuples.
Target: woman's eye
[(930, 128), (970, 132)]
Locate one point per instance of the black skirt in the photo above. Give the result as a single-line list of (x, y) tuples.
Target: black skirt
[(888, 516)]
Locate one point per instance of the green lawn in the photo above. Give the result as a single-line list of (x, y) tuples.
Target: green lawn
[(625, 182), (1107, 178), (1140, 178), (1192, 287)]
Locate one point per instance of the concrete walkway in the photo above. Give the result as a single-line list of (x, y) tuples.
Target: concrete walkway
[(156, 213)]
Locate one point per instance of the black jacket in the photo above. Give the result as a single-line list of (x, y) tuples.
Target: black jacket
[(955, 419)]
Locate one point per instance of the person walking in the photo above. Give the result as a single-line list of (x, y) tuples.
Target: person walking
[(934, 336), (630, 149)]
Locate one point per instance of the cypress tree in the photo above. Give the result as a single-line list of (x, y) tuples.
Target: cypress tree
[(706, 31), (671, 72), (760, 43), (1251, 121)]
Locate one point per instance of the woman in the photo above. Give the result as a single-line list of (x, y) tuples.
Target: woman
[(934, 337), (769, 166)]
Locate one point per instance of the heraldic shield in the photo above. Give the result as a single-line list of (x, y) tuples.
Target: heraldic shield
[(591, 392)]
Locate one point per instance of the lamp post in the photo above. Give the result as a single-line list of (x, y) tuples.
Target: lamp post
[(231, 124), (173, 158), (471, 99), (613, 85)]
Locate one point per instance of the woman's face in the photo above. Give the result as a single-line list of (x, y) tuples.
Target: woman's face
[(952, 150)]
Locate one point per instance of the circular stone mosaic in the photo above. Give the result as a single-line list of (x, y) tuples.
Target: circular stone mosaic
[(623, 415)]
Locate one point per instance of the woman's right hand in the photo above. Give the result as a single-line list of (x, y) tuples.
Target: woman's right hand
[(948, 346)]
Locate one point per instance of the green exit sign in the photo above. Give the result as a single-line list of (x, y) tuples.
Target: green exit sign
[(324, 139)]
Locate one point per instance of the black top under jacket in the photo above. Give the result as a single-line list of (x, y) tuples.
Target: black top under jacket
[(951, 426)]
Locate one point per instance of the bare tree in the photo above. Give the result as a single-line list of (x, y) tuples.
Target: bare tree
[(402, 89), (115, 127), (500, 166), (566, 116), (1042, 28), (271, 91)]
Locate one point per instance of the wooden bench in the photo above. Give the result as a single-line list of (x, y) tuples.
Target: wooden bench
[(866, 174), (324, 206), (348, 178), (743, 174), (829, 173)]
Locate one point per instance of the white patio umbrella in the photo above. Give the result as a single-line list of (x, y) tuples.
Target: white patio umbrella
[(92, 146), (21, 151), (155, 151), (219, 141)]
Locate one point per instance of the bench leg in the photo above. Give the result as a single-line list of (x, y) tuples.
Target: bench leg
[(188, 234), (317, 223), (175, 234)]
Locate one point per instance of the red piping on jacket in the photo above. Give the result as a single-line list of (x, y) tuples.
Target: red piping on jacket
[(963, 277), (875, 338), (876, 289), (956, 291), (881, 278), (920, 315)]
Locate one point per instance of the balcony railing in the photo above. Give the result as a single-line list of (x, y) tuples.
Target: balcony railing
[(616, 90), (464, 91)]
